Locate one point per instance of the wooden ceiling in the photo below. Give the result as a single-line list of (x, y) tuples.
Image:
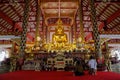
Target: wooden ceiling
[(107, 14), (51, 10)]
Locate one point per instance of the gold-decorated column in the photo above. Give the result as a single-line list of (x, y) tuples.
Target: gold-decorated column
[(95, 31), (37, 34), (24, 28), (80, 13)]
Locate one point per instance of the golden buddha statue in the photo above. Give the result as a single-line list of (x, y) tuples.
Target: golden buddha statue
[(59, 38)]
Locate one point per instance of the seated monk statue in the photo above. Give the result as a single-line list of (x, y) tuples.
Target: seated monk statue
[(59, 38)]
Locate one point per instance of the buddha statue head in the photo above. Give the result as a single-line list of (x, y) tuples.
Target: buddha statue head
[(59, 29)]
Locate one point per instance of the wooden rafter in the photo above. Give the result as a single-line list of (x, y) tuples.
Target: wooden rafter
[(15, 11), (105, 8), (108, 2), (3, 27), (57, 0), (113, 16), (6, 18), (114, 26), (60, 8)]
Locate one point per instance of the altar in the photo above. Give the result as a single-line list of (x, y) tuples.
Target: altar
[(60, 61)]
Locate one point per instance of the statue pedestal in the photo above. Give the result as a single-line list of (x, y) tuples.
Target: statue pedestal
[(60, 61)]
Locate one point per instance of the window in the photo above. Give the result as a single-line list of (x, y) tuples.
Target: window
[(3, 55), (115, 53)]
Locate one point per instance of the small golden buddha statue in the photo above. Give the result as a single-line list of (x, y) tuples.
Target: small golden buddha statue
[(59, 38)]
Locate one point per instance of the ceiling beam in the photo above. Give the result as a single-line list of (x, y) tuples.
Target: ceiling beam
[(57, 0), (60, 8), (6, 29), (101, 26), (3, 27), (114, 26), (110, 36), (11, 2), (86, 20), (114, 45), (8, 37), (105, 8), (113, 16), (16, 11), (5, 45), (108, 2), (6, 18)]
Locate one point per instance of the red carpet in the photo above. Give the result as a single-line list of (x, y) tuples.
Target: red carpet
[(57, 75)]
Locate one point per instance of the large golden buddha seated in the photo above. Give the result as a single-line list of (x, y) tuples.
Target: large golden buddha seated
[(59, 38)]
